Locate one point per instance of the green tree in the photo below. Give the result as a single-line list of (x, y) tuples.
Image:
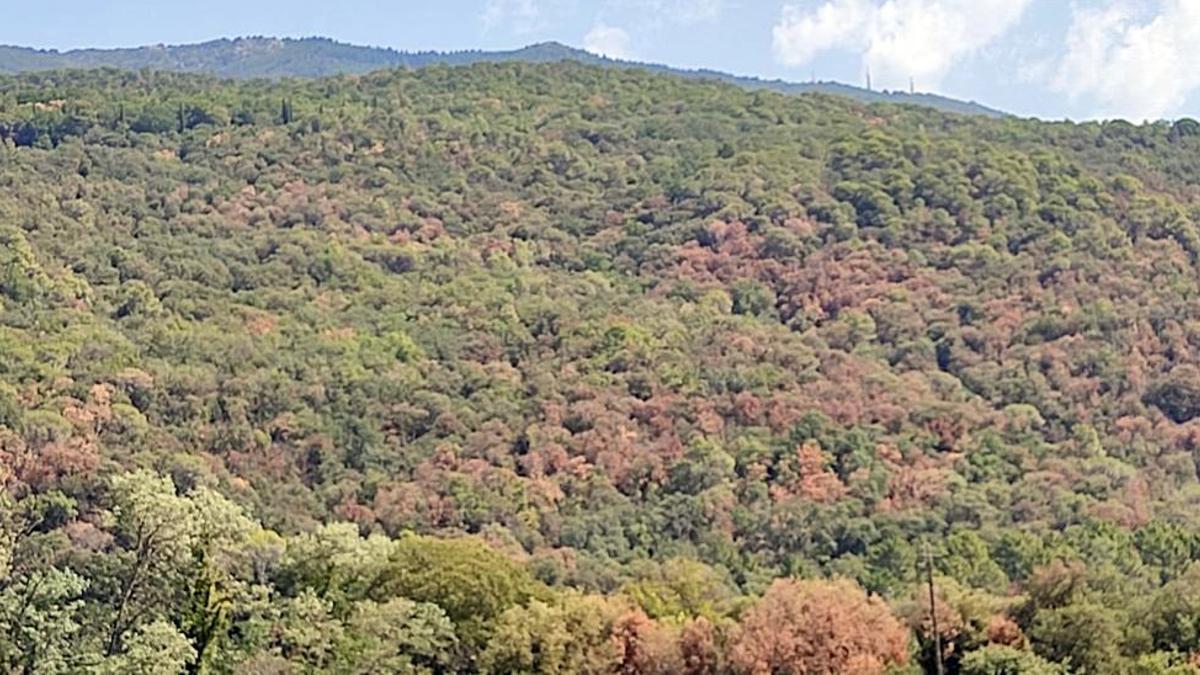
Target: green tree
[(39, 628), (397, 636), (1085, 636), (155, 648), (155, 529), (569, 634), (472, 583), (1005, 660)]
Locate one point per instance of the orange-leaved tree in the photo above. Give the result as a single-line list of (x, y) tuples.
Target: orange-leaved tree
[(819, 627)]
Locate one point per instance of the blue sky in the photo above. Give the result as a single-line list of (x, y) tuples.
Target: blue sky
[(1050, 58)]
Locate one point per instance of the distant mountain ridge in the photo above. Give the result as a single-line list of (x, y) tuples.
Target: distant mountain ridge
[(254, 57)]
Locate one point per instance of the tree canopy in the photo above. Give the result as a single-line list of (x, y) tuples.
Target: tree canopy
[(560, 368)]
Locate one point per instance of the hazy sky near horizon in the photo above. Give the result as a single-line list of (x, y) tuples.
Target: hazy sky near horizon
[(1051, 58)]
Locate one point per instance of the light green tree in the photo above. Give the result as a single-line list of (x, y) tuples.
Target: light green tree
[(569, 635), (156, 648), (397, 636)]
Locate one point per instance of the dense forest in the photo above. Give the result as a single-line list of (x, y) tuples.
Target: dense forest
[(555, 368), (265, 57)]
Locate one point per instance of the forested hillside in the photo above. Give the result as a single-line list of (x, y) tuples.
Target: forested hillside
[(263, 57), (567, 369)]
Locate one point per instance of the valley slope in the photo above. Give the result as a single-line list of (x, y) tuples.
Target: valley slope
[(560, 368)]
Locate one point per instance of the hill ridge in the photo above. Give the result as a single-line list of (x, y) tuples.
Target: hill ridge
[(248, 57)]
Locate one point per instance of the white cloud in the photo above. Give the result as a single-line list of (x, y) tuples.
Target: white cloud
[(608, 41), (897, 39), (1134, 63), (522, 16), (800, 36)]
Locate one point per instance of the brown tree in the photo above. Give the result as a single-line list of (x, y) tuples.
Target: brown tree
[(698, 648), (814, 627), (645, 647)]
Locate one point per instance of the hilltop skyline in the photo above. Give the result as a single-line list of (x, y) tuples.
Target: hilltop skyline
[(1085, 60), (266, 57)]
